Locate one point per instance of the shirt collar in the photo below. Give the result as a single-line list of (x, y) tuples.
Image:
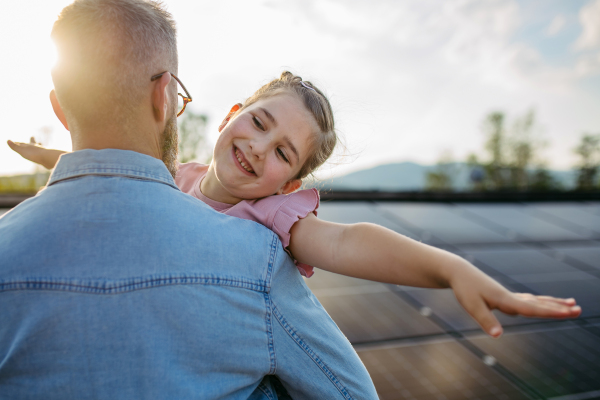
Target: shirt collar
[(111, 162)]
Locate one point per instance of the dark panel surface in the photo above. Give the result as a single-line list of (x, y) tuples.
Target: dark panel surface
[(571, 216), (516, 220), (516, 261), (556, 363), (3, 210), (587, 254), (444, 222), (435, 371), (352, 213), (375, 316)]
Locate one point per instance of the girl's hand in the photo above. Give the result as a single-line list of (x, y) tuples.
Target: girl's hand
[(479, 295), (35, 152)]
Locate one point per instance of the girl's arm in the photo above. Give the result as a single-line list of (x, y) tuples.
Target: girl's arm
[(36, 153), (372, 252)]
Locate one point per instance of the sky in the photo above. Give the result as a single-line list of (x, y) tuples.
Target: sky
[(409, 80)]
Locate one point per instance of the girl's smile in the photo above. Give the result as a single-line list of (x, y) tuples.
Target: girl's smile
[(243, 161), (260, 150)]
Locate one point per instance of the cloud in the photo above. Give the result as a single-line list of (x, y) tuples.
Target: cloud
[(589, 16), (556, 25)]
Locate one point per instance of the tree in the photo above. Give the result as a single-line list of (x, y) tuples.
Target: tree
[(493, 128), (589, 153), (513, 156), (442, 177), (193, 144)]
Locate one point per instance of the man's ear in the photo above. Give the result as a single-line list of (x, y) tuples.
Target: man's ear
[(58, 110), (290, 186), (160, 98), (232, 112)]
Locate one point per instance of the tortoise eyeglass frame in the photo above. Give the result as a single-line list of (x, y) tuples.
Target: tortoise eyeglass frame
[(186, 99)]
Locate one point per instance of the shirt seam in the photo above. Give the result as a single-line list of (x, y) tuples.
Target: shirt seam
[(310, 353), (108, 171), (126, 285), (269, 306)]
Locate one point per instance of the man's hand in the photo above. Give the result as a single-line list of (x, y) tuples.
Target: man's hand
[(35, 152), (479, 295)]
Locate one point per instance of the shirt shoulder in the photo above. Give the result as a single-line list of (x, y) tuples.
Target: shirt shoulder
[(188, 175)]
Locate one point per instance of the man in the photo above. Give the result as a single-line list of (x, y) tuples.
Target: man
[(114, 284)]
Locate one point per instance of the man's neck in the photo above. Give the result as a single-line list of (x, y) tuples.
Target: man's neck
[(110, 139)]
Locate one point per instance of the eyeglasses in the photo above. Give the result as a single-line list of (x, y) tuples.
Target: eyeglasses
[(186, 99)]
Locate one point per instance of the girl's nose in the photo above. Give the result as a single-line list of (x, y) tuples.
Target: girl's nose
[(258, 148)]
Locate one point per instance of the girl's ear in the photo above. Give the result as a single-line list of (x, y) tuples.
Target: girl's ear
[(290, 186), (232, 112), (58, 110)]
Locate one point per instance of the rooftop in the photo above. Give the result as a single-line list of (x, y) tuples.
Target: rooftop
[(419, 344)]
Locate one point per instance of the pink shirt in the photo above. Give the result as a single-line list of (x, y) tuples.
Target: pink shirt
[(278, 212)]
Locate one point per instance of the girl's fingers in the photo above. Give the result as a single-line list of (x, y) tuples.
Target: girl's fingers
[(480, 311), (538, 306), (569, 302)]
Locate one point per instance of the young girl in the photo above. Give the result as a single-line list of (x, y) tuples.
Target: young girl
[(267, 146)]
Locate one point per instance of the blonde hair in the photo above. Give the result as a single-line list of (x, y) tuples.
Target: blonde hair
[(323, 143)]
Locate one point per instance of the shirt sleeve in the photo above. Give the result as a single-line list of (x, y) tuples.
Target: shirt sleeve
[(279, 213), (297, 206)]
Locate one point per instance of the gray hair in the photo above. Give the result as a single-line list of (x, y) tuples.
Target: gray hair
[(107, 52)]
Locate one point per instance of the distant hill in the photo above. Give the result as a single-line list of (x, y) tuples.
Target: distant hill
[(409, 176)]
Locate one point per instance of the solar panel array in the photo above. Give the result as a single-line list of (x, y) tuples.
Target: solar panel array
[(420, 344)]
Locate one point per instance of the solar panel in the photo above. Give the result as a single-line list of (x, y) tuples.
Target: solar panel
[(519, 260), (434, 371), (420, 343), (352, 213), (442, 221), (574, 217), (374, 315), (587, 254), (556, 363), (518, 222)]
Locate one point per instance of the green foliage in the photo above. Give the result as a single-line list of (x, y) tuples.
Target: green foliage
[(588, 151), (513, 156), (30, 183), (442, 177), (193, 145)]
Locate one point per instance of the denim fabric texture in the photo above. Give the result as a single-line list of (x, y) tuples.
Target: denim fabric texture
[(116, 285)]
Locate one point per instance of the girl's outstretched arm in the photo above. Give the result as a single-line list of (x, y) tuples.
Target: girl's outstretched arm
[(36, 153), (372, 252)]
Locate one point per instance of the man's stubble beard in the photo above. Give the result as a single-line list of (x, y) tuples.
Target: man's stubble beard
[(170, 145)]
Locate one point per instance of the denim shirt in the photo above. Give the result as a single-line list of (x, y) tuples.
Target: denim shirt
[(116, 285)]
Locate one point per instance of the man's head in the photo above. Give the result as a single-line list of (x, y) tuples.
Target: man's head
[(107, 52)]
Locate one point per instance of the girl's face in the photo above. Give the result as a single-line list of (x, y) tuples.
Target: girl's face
[(262, 148)]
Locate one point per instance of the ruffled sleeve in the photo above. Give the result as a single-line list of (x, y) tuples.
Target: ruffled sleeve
[(279, 213), (297, 206)]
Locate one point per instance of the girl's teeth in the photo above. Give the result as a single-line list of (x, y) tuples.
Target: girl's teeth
[(241, 162)]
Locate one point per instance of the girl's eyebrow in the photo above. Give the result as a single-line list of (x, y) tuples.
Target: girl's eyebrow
[(268, 114)]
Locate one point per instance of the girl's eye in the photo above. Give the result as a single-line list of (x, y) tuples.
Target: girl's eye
[(282, 155), (258, 124)]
